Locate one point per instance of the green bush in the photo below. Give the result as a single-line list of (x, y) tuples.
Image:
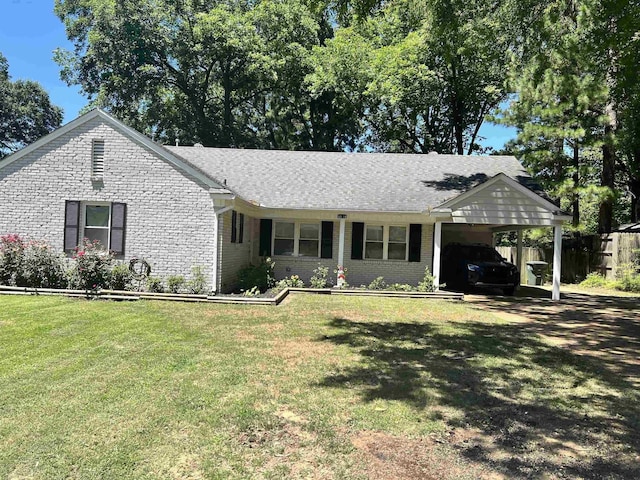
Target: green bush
[(596, 280), (428, 282), (11, 254), (175, 283), (154, 285), (198, 283), (293, 281), (260, 276), (401, 287), (628, 278), (378, 284), (320, 277), (92, 269), (121, 277), (41, 267)]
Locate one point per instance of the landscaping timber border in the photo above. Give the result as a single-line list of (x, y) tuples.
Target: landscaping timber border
[(186, 297)]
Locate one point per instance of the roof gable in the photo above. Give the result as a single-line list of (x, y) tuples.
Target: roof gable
[(132, 134), (500, 200)]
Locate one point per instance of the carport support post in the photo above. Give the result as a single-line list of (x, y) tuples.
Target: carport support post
[(437, 243), (519, 252), (557, 261)]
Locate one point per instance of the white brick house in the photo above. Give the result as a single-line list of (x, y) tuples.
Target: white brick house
[(221, 209)]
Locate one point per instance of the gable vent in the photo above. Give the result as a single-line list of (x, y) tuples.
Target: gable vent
[(97, 160)]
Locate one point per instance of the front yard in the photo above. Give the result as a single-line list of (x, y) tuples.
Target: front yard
[(320, 387)]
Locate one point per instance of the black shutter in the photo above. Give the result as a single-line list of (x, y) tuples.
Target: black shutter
[(266, 227), (241, 229), (118, 226), (234, 226), (326, 244), (415, 242), (71, 224), (357, 237)]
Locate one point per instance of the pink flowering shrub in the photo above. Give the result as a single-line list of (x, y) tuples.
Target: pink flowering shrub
[(11, 254), (42, 267), (92, 266), (30, 263)]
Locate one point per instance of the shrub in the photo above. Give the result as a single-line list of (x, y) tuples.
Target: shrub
[(252, 292), (121, 277), (401, 287), (319, 278), (154, 285), (11, 254), (293, 281), (260, 276), (175, 283), (596, 280), (92, 268), (428, 282), (198, 283), (378, 284), (628, 278), (41, 267)]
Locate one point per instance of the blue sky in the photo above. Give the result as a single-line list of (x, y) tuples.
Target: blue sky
[(31, 32)]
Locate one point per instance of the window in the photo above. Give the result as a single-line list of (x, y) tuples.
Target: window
[(374, 242), (103, 222), (97, 160), (237, 227), (397, 249), (297, 239), (284, 238), (97, 223), (309, 245), (385, 242)]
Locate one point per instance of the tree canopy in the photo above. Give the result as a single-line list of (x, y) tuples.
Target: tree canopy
[(395, 75), (26, 112)]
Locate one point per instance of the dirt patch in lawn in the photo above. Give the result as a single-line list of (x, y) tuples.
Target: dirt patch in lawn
[(295, 352), (388, 457)]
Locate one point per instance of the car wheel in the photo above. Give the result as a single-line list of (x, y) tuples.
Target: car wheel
[(509, 291)]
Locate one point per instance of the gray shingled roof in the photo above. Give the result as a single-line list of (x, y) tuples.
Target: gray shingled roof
[(348, 181)]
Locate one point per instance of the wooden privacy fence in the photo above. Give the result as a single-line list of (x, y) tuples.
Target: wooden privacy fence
[(604, 254)]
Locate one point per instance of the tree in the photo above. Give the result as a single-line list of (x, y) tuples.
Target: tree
[(420, 76), (220, 73), (26, 112), (559, 106)]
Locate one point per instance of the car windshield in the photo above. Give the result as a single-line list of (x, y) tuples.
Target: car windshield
[(484, 255)]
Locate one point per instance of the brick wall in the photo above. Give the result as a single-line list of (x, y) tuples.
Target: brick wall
[(170, 219)]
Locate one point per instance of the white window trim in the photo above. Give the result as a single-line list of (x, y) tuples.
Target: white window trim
[(385, 242), (296, 238), (83, 220)]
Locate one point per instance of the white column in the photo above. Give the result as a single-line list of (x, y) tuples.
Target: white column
[(557, 261), (519, 253), (437, 243), (340, 279)]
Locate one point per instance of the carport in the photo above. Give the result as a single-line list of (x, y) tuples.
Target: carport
[(499, 204)]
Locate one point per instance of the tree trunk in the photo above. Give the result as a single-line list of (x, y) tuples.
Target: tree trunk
[(576, 183), (607, 178), (634, 188)]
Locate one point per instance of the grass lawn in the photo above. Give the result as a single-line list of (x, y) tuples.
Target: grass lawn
[(320, 387)]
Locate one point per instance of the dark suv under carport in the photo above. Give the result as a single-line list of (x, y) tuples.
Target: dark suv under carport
[(477, 265)]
